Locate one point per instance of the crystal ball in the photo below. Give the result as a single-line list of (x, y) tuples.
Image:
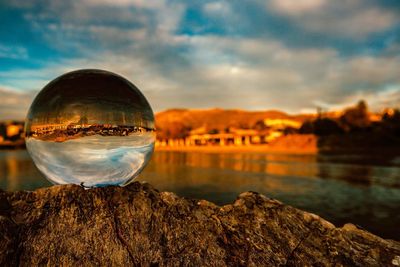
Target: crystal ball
[(90, 127)]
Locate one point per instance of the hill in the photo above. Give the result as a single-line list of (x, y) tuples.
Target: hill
[(180, 120)]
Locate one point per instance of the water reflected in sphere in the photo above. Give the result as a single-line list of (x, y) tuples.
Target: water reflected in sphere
[(90, 127)]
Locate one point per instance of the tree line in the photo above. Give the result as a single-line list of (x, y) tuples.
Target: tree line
[(354, 120)]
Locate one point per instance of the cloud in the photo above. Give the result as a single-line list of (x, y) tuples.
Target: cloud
[(23, 79), (13, 104), (127, 3), (354, 25), (15, 52), (353, 19), (298, 7), (388, 96), (238, 58), (247, 73), (217, 8), (260, 74)]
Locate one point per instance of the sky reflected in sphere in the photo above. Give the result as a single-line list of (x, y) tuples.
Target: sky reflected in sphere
[(90, 127)]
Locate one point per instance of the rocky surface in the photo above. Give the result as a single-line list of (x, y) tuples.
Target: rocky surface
[(137, 225)]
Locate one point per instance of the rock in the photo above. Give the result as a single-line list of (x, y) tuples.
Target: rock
[(138, 225)]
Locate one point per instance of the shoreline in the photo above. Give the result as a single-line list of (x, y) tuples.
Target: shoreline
[(7, 145), (239, 149), (393, 151)]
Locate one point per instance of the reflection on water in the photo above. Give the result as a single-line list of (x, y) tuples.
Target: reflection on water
[(358, 189), (17, 171)]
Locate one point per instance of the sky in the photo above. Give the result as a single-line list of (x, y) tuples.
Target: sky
[(256, 55)]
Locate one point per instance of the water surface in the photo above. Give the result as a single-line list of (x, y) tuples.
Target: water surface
[(361, 189)]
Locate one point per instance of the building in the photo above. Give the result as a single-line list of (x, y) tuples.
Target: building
[(232, 137), (281, 124), (11, 131)]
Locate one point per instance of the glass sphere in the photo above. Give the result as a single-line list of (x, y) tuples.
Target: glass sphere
[(90, 127)]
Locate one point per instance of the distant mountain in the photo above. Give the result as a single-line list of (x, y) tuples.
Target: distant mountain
[(179, 120)]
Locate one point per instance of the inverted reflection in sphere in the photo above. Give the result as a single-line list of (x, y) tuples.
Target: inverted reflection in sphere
[(90, 127)]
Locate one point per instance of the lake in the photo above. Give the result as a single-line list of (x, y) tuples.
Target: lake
[(361, 189)]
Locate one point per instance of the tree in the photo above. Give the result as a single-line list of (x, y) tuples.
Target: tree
[(326, 126), (391, 122), (321, 127), (260, 125), (307, 127), (392, 116), (213, 131), (356, 118), (177, 130)]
